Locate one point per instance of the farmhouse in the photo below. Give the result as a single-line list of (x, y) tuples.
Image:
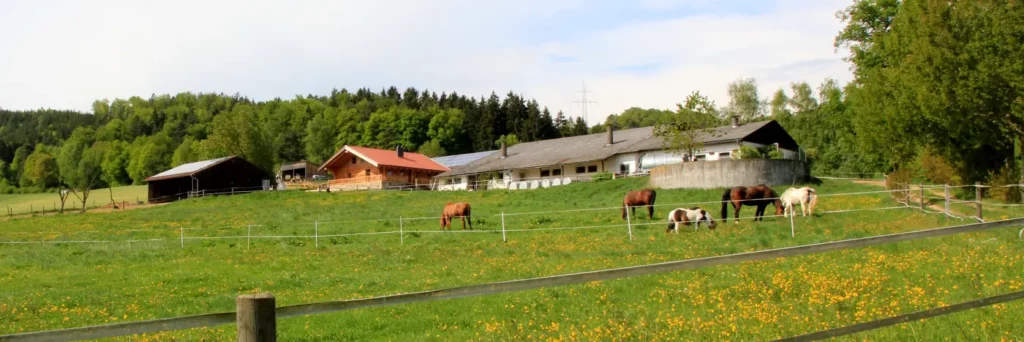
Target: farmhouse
[(355, 167), (625, 152), (226, 175)]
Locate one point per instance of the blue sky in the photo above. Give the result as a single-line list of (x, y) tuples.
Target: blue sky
[(645, 53)]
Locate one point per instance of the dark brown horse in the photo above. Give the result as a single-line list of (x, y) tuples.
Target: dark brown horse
[(455, 210), (760, 196), (638, 198)]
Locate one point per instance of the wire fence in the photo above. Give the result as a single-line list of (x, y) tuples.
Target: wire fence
[(252, 320), (502, 224)]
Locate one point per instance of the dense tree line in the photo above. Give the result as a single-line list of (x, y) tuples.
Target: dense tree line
[(138, 137)]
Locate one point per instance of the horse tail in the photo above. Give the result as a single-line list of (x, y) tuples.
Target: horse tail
[(468, 218), (812, 199), (653, 196), (725, 203)]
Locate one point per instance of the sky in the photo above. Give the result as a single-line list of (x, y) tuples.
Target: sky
[(641, 53)]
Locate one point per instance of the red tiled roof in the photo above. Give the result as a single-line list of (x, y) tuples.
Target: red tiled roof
[(390, 158)]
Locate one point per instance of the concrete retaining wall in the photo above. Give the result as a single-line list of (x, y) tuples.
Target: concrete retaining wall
[(729, 173)]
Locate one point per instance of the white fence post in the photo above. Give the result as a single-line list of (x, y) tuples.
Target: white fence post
[(401, 231), (182, 230), (504, 238), (792, 227), (316, 233), (248, 237), (629, 225)]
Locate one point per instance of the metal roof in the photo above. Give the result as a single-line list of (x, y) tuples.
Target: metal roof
[(299, 165), (593, 147), (187, 169), (461, 159)]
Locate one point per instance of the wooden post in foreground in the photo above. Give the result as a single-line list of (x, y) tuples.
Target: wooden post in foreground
[(255, 318), (977, 199)]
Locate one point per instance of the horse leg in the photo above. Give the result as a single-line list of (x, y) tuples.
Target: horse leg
[(803, 210), (650, 211), (736, 215)]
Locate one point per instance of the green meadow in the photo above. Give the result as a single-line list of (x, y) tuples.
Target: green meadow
[(23, 204), (264, 242)]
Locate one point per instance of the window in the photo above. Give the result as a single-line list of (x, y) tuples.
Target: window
[(522, 175), (700, 157), (367, 172), (354, 160), (389, 173), (591, 168), (556, 172), (623, 168), (723, 155), (349, 175), (581, 169), (545, 173)]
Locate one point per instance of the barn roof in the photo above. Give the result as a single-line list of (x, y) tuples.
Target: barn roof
[(379, 157), (592, 147), (299, 165), (189, 169)]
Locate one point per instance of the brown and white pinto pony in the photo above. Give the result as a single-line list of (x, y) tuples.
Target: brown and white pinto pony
[(759, 195), (456, 210), (686, 217), (638, 198)]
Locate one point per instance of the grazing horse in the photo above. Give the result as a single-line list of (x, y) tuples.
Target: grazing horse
[(686, 216), (638, 198), (760, 196), (806, 196), (455, 210)]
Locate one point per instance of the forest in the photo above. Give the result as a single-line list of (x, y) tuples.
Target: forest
[(936, 93)]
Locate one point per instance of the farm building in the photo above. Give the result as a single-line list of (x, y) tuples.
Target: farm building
[(456, 162), (299, 171), (226, 175), (355, 167), (625, 152)]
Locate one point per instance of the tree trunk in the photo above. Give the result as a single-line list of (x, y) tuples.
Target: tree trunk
[(113, 205), (85, 198)]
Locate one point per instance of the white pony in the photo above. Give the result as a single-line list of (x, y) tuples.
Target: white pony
[(806, 196), (686, 216)]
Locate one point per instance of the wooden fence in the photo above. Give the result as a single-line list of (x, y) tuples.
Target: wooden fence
[(256, 315)]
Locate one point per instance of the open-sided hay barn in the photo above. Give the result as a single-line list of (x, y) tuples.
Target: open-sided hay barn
[(226, 175)]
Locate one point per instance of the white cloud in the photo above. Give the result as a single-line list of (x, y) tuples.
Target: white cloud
[(67, 54)]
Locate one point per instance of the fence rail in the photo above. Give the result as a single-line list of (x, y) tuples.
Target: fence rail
[(150, 326)]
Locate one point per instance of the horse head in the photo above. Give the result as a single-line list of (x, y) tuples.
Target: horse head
[(707, 219)]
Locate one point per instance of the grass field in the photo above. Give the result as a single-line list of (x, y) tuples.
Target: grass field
[(26, 203), (53, 286)]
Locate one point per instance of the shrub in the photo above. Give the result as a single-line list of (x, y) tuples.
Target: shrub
[(603, 176), (936, 170), (749, 152), (775, 154), (1007, 175)]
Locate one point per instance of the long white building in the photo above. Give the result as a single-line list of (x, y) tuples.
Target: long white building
[(626, 152)]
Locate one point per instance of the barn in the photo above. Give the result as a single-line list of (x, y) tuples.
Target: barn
[(228, 175)]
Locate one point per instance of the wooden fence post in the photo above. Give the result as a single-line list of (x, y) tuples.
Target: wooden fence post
[(977, 200), (316, 232), (946, 186), (401, 231), (255, 318), (921, 194)]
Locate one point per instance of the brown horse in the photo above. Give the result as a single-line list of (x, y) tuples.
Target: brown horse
[(455, 210), (638, 198), (760, 196)]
